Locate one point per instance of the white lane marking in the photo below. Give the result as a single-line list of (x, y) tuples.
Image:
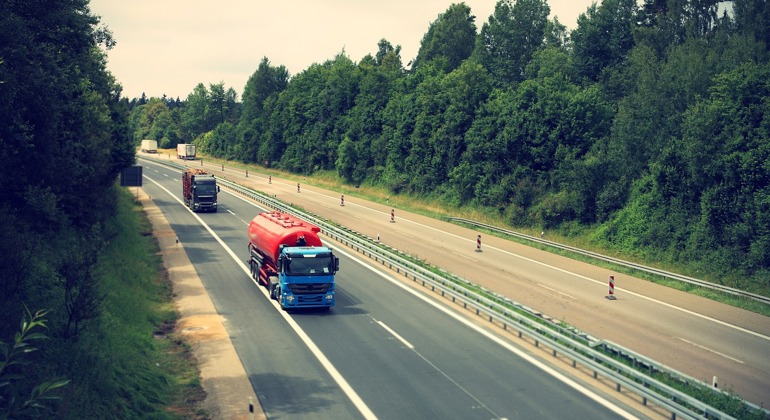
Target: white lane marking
[(557, 291), (395, 334), (237, 217), (710, 350), (505, 344), (333, 372), (436, 368)]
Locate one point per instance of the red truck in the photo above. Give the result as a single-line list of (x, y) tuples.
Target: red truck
[(287, 256), (199, 190)]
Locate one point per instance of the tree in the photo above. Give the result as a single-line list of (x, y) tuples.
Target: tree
[(509, 38), (222, 106), (388, 56), (726, 152), (266, 82), (752, 18), (450, 39), (194, 117), (603, 37), (78, 282)]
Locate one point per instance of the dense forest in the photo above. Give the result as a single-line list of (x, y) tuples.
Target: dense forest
[(64, 138), (646, 127)]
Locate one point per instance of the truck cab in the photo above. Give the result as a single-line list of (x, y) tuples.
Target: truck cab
[(199, 189), (306, 277), (204, 193)]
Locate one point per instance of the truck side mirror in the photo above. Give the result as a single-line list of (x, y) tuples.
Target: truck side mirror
[(218, 188), (336, 264)]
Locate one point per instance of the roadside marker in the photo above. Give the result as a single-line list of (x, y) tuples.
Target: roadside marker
[(611, 296)]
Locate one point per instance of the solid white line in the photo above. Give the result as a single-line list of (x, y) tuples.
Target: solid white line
[(333, 372), (505, 344), (712, 351), (394, 334)]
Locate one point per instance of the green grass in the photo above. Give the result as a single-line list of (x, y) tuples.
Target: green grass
[(128, 363)]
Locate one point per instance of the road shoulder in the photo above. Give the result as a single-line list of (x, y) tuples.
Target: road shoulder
[(223, 377)]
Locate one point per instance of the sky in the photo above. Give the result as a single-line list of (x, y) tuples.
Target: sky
[(169, 46)]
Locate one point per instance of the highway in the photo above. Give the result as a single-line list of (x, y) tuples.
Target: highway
[(385, 350), (694, 335)]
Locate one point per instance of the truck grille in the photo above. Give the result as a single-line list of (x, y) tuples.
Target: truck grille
[(309, 288)]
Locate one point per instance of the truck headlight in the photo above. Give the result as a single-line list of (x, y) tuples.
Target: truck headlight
[(290, 298), (329, 296)]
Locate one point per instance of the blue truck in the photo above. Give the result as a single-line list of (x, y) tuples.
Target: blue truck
[(287, 256)]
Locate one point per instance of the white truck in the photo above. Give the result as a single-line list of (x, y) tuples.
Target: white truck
[(185, 151), (149, 146)]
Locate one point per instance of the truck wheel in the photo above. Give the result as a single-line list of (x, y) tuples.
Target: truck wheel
[(272, 287), (278, 297)]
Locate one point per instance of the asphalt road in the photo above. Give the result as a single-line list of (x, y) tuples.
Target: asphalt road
[(384, 351), (694, 335)]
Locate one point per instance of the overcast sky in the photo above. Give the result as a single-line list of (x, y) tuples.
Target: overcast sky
[(169, 46)]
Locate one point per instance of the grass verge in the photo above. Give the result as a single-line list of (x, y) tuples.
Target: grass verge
[(128, 363)]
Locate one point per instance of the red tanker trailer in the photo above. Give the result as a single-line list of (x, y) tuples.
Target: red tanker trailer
[(287, 256)]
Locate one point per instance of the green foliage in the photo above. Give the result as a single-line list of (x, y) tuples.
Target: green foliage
[(16, 399), (603, 37), (450, 39), (510, 37)]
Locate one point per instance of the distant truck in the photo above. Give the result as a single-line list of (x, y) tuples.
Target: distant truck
[(185, 151), (199, 189), (286, 255), (149, 146)]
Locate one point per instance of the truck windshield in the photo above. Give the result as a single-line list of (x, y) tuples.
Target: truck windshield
[(205, 189), (308, 266)]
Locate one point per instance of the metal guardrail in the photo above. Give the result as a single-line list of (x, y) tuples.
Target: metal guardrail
[(528, 323), (650, 270)]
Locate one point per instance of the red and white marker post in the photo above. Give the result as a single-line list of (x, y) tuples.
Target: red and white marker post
[(342, 200), (392, 216), (611, 296), (478, 243)]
